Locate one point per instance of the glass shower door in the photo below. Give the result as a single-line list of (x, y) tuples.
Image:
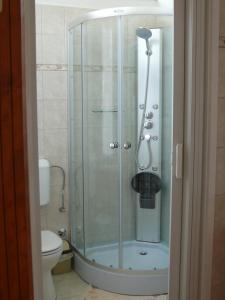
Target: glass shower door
[(100, 141), (121, 140)]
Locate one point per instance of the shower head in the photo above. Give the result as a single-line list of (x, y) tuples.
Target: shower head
[(145, 33)]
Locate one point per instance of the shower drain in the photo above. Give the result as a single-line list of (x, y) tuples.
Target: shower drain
[(143, 253)]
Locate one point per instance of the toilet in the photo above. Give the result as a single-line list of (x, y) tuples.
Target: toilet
[(51, 243), (51, 250)]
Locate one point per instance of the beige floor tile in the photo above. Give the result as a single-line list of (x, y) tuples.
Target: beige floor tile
[(69, 286), (78, 297), (96, 294)]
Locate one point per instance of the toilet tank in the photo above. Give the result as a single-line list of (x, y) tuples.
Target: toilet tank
[(44, 181)]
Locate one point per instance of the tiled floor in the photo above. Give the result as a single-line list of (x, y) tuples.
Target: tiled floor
[(70, 286)]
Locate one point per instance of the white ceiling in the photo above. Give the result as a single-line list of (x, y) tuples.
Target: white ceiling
[(97, 4)]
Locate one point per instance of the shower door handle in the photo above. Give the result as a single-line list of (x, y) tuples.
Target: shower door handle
[(114, 145), (127, 145)]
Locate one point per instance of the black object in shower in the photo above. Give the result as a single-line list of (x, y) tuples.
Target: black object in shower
[(147, 185)]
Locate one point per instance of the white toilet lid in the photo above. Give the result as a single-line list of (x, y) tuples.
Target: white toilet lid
[(49, 241)]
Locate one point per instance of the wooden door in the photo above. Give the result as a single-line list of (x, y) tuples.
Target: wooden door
[(15, 236)]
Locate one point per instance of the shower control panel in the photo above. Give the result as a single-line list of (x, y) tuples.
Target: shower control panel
[(149, 115), (148, 125)]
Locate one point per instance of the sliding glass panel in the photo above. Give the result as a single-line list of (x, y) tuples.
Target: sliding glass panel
[(100, 141)]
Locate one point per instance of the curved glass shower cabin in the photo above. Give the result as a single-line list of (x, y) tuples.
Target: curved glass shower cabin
[(120, 82)]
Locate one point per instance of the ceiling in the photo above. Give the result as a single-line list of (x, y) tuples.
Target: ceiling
[(97, 4)]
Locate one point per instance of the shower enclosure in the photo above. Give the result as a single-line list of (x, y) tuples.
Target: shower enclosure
[(120, 120)]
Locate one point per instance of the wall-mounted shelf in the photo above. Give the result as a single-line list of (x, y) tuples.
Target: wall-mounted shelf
[(102, 109)]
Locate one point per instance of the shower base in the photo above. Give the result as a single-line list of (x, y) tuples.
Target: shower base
[(144, 272)]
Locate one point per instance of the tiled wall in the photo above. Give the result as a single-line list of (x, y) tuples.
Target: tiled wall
[(218, 279), (51, 34)]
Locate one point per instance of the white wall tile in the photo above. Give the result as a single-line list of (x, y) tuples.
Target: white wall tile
[(55, 145), (55, 218), (54, 51), (41, 143), (54, 84), (40, 114), (39, 85), (39, 49), (71, 14), (53, 20), (52, 105), (55, 114), (38, 13)]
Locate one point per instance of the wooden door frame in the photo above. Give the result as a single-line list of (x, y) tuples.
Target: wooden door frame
[(20, 230), (30, 94), (202, 31), (14, 185)]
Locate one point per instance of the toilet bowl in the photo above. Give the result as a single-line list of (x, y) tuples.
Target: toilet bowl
[(51, 250)]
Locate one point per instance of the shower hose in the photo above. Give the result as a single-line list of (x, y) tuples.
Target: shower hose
[(141, 137)]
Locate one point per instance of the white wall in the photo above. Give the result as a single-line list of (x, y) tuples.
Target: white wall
[(167, 3)]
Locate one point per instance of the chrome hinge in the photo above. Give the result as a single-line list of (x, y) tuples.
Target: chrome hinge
[(179, 161)]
